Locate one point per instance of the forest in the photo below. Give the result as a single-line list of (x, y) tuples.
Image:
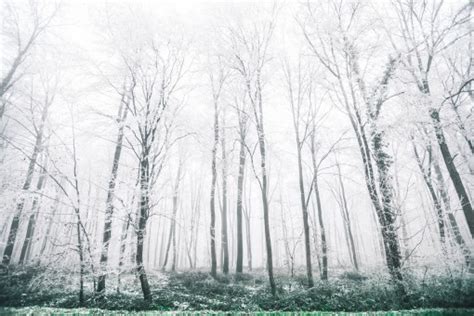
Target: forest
[(237, 156)]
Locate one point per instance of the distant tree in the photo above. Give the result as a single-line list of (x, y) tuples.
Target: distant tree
[(249, 61)]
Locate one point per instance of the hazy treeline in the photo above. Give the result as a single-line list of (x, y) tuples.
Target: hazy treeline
[(321, 136)]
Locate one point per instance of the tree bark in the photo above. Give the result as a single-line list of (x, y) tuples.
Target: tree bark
[(225, 239), (347, 220), (324, 255), (30, 230), (142, 221), (324, 248), (452, 170), (240, 189), (7, 253), (304, 209), (266, 208), (451, 218), (212, 229), (426, 172), (107, 234)]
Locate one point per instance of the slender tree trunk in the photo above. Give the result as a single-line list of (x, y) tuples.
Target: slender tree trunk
[(142, 221), (212, 229), (172, 234), (30, 230), (123, 245), (49, 225), (107, 234), (451, 218), (248, 239), (168, 245), (8, 251), (225, 239), (452, 170), (266, 208), (324, 248), (80, 250), (428, 181), (304, 209), (324, 255), (240, 189), (347, 220)]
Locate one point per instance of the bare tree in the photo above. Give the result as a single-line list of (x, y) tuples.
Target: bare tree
[(225, 241), (35, 208), (217, 82), (38, 147), (425, 35), (298, 86), (242, 117), (172, 234), (250, 56), (155, 75), (107, 234), (24, 38), (340, 57)]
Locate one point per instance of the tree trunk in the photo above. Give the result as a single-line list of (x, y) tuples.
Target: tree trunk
[(49, 226), (107, 234), (347, 221), (212, 229), (123, 245), (240, 189), (304, 209), (80, 250), (225, 239), (451, 218), (437, 204), (453, 172), (266, 211), (30, 230), (142, 221), (324, 248), (248, 239), (7, 253), (324, 259), (392, 245)]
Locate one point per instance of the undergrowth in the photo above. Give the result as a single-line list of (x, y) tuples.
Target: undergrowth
[(185, 291)]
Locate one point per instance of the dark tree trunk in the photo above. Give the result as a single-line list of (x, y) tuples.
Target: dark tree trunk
[(107, 234), (240, 189), (266, 211), (142, 221), (30, 230), (80, 250), (452, 170), (324, 248), (304, 209), (175, 212), (248, 239), (225, 239), (324, 255), (7, 253), (452, 220)]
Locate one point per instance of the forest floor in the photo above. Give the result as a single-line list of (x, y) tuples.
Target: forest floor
[(84, 311), (427, 294)]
